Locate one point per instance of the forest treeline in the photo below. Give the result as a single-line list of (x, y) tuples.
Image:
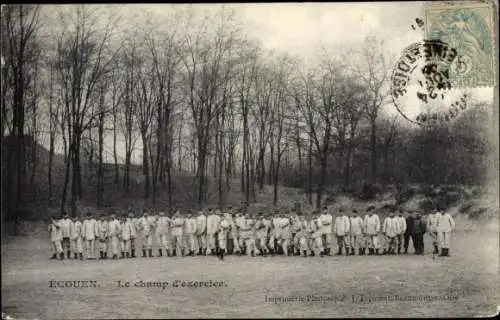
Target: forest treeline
[(199, 98)]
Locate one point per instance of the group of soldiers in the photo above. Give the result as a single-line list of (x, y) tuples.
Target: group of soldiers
[(218, 233)]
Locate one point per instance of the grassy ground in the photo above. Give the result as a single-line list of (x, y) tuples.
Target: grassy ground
[(469, 278)]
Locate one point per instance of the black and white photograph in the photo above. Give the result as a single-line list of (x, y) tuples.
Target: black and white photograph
[(250, 160)]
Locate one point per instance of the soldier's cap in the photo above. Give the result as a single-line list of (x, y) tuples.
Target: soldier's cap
[(370, 208), (161, 213)]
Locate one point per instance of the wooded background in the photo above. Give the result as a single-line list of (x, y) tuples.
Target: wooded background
[(210, 113)]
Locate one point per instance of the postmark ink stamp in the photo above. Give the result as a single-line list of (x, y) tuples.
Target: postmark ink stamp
[(421, 87)]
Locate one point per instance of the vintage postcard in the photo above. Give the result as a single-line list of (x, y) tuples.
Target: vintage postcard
[(252, 160)]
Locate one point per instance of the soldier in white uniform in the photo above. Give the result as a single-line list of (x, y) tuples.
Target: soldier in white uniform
[(66, 234), (296, 227), (114, 234), (341, 229), (177, 234), (316, 240), (238, 242), (302, 234), (247, 233), (56, 238), (89, 234), (286, 234), (213, 220), (190, 233), (233, 233), (390, 231), (76, 237), (401, 229), (445, 226), (146, 226), (356, 233), (128, 233), (201, 233), (133, 236), (102, 236), (372, 229), (224, 229), (326, 220), (276, 234), (162, 226), (432, 223), (261, 229)]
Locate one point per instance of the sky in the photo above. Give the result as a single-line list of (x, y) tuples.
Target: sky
[(302, 29)]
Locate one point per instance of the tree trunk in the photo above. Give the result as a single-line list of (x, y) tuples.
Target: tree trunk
[(276, 165), (309, 172), (66, 179), (100, 178), (347, 169), (145, 165), (321, 181), (373, 153), (115, 154), (51, 159), (74, 179), (169, 178)]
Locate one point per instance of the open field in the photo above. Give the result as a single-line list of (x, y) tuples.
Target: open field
[(468, 279)]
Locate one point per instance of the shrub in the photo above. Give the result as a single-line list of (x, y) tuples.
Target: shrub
[(477, 213), (369, 191), (427, 205)]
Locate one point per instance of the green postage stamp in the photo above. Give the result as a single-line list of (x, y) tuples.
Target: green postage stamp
[(469, 29)]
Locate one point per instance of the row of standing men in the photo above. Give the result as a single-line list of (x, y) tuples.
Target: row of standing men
[(218, 233)]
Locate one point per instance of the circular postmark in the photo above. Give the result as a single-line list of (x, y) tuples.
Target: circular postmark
[(420, 83)]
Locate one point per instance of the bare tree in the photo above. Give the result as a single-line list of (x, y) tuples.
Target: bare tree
[(84, 58), (262, 116), (165, 57), (371, 67), (205, 52), (319, 109), (280, 118), (20, 26), (130, 61)]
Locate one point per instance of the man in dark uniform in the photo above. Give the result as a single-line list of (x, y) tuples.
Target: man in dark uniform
[(408, 231), (417, 233)]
